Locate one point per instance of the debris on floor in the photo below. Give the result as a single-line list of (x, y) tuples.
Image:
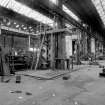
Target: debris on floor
[(28, 93), (101, 66), (66, 77), (17, 91), (102, 74)]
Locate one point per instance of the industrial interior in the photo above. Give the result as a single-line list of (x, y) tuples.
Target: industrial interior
[(52, 52)]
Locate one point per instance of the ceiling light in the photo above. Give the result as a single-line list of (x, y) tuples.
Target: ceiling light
[(22, 25), (70, 13), (17, 26), (30, 27), (14, 22), (25, 28)]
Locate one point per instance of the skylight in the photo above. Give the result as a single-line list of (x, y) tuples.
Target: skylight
[(70, 13), (26, 11), (100, 7)]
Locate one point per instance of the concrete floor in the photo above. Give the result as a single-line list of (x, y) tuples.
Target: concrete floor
[(85, 87)]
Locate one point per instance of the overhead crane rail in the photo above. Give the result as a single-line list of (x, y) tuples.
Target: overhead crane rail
[(49, 32), (38, 34)]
